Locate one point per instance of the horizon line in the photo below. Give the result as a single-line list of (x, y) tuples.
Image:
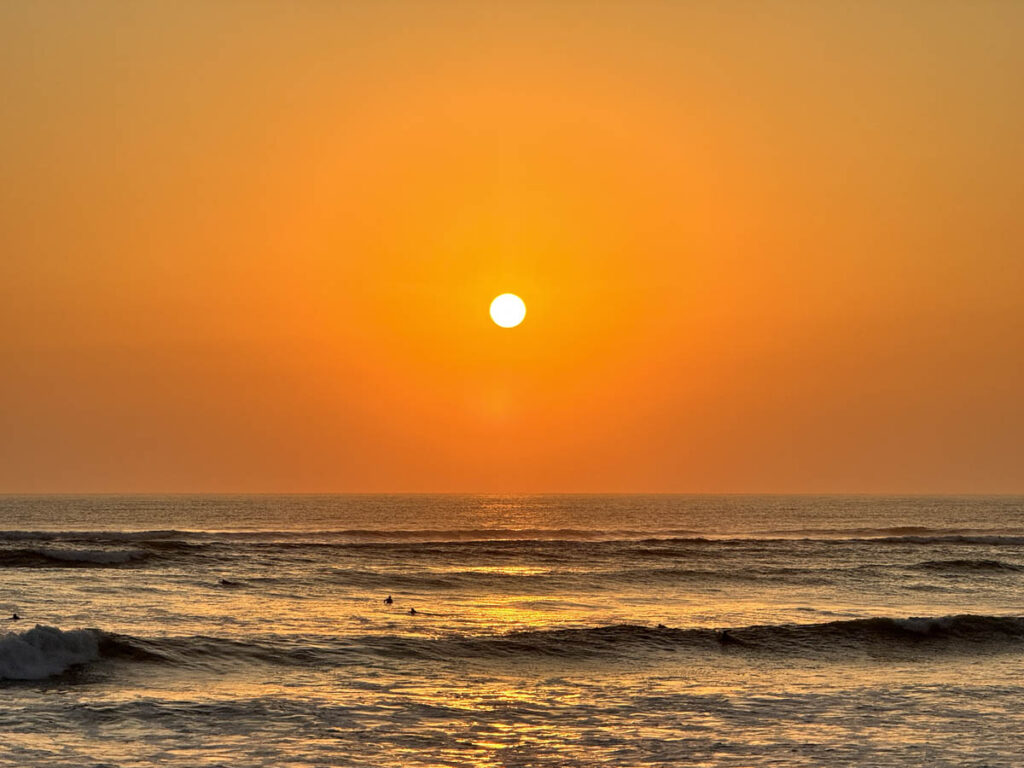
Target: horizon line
[(850, 494)]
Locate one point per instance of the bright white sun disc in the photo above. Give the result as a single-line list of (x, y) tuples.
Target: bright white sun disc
[(508, 310)]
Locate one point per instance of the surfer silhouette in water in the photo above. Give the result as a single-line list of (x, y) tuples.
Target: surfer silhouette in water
[(388, 600), (15, 617), (724, 638), (412, 611)]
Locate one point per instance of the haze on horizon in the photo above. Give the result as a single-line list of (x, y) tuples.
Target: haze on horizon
[(765, 247)]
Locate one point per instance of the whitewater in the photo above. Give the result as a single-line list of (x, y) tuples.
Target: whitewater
[(524, 631)]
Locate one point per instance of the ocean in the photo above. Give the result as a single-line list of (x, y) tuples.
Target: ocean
[(523, 631)]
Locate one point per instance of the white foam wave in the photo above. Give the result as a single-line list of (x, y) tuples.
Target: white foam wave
[(43, 652)]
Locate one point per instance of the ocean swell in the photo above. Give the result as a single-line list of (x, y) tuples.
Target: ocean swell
[(54, 557), (498, 541), (875, 636), (968, 566), (547, 580), (46, 651)]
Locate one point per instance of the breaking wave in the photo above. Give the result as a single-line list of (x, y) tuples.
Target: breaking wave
[(44, 651)]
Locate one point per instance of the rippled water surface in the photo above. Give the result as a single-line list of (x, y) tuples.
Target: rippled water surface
[(525, 631)]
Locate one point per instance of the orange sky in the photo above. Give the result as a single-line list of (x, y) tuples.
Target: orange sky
[(765, 247)]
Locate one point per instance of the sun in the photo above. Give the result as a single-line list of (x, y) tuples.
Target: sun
[(508, 310)]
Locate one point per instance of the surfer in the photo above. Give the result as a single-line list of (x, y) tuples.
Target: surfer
[(412, 611), (15, 617), (388, 600), (723, 637)]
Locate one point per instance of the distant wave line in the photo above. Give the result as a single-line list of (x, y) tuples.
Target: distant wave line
[(342, 537)]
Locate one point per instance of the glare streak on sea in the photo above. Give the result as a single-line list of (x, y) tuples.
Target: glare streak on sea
[(524, 631)]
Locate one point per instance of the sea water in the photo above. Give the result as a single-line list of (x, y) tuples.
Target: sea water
[(548, 630)]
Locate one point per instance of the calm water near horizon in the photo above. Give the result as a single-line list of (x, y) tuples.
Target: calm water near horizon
[(548, 630)]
